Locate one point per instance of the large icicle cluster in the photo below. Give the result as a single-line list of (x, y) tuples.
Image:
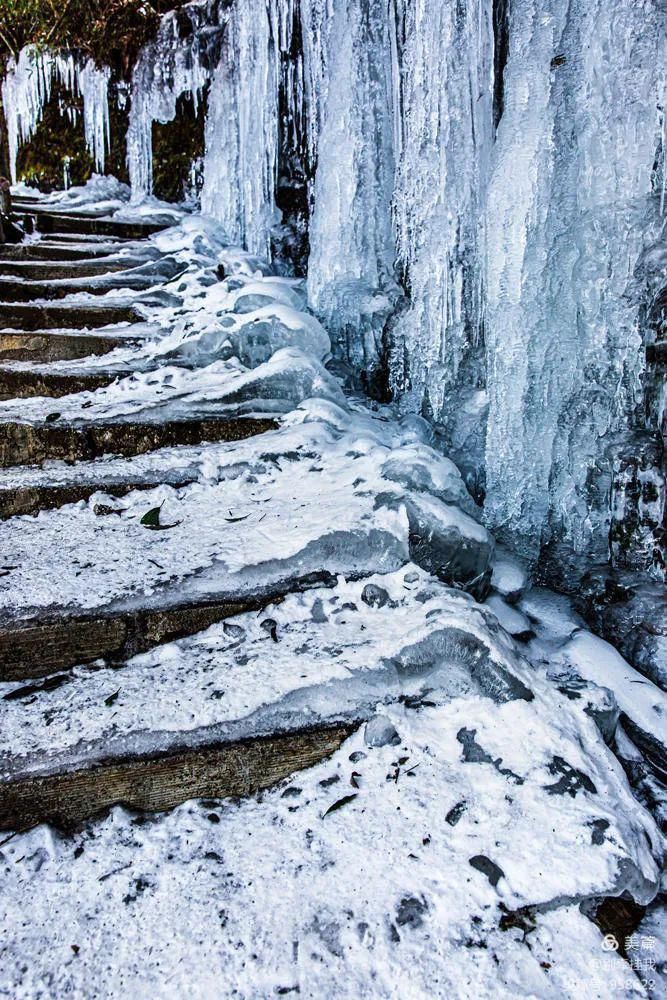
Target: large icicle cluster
[(172, 65), (26, 89), (488, 272), (518, 251), (571, 206), (242, 130), (446, 134)]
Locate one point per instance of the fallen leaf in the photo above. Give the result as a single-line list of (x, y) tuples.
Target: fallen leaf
[(339, 803)]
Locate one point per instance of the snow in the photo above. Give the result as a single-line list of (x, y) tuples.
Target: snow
[(640, 700), (375, 899), (336, 651)]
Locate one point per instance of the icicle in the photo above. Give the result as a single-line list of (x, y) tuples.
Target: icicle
[(446, 135), (27, 89), (166, 69), (350, 278), (570, 211), (93, 84), (242, 130)]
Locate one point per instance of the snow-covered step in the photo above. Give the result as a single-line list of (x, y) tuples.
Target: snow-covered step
[(139, 278), (161, 775), (64, 345), (234, 708), (28, 489), (257, 521), (52, 270), (44, 316), (51, 222), (20, 383), (55, 439), (49, 642), (52, 250)]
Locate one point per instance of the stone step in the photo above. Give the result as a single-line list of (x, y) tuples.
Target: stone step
[(23, 500), (23, 383), (145, 274), (63, 239), (34, 316), (55, 251), (27, 444), (163, 776), (50, 222), (29, 489), (46, 644), (28, 291), (32, 206), (321, 657), (58, 345), (51, 270)]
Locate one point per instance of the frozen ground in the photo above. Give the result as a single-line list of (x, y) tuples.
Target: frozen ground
[(500, 790)]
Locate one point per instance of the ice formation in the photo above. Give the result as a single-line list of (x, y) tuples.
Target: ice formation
[(27, 88), (167, 67), (519, 248), (573, 201), (483, 234), (242, 130)]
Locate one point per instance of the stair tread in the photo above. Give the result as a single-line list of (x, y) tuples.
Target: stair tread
[(27, 444), (331, 656), (318, 662), (50, 315), (287, 512), (105, 561), (142, 276), (54, 270), (78, 222)]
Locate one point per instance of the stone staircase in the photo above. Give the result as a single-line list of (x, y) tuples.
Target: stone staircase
[(41, 328)]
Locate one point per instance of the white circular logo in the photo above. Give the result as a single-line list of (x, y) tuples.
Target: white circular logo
[(609, 943)]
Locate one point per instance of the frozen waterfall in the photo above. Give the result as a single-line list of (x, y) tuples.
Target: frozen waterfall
[(483, 182)]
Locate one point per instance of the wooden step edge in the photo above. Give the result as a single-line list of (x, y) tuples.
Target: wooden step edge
[(50, 270), (167, 777), (51, 222), (32, 648), (31, 444), (29, 290), (36, 251)]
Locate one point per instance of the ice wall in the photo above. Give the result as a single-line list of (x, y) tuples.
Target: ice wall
[(351, 282), (572, 202), (242, 128), (482, 188), (444, 140), (484, 181), (26, 89)]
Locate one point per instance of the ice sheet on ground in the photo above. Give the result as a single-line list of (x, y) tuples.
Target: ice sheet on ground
[(173, 392)]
